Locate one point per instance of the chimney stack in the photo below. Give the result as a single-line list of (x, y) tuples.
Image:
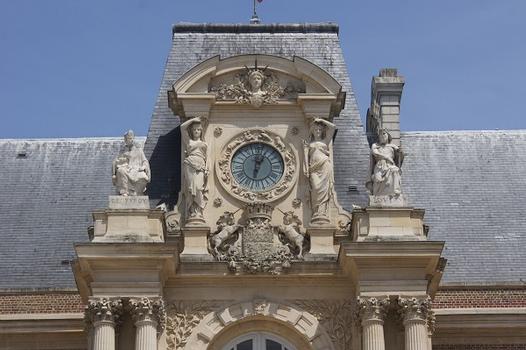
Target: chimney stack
[(384, 112)]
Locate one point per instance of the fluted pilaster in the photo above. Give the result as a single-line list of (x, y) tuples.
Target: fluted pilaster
[(101, 316), (372, 314), (149, 316), (416, 313)]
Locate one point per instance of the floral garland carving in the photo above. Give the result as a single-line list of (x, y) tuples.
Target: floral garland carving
[(336, 316), (223, 166), (182, 318)]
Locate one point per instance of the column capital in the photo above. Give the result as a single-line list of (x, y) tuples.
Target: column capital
[(102, 310), (415, 309), (372, 308), (148, 310)]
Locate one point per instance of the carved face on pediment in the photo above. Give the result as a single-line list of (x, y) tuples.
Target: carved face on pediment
[(253, 80)]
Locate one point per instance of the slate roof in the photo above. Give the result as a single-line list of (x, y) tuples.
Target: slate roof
[(473, 187), (470, 183), (46, 202)]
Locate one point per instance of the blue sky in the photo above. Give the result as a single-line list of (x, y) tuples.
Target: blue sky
[(75, 68)]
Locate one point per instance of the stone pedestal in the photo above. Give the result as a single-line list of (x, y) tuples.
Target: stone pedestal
[(388, 224), (128, 219), (372, 313), (321, 240), (195, 243)]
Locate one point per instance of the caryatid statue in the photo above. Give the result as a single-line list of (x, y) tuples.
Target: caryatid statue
[(386, 161), (195, 168), (131, 170), (318, 168)]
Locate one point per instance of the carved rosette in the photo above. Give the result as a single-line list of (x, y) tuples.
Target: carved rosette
[(372, 309), (416, 309), (102, 310), (149, 310), (182, 318), (336, 316), (280, 189)]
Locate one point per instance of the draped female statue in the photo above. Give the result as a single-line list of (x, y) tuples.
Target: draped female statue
[(318, 167), (130, 170), (195, 169), (385, 164)]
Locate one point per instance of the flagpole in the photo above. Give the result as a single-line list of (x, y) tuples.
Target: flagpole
[(255, 18)]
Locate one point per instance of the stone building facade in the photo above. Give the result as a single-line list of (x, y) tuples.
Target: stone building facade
[(272, 218)]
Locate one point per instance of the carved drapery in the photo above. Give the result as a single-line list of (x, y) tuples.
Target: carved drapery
[(336, 316)]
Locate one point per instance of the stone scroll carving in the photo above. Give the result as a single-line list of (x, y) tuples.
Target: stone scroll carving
[(318, 168), (195, 169), (130, 169), (336, 316), (256, 87), (284, 185), (385, 168)]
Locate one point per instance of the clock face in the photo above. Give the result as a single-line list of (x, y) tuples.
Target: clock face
[(257, 166)]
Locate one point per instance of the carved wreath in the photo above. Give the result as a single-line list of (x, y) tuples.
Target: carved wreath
[(281, 188)]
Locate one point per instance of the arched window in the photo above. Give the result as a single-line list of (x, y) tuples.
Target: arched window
[(259, 341)]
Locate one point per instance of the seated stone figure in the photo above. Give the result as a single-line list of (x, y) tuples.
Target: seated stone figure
[(386, 161), (131, 170)]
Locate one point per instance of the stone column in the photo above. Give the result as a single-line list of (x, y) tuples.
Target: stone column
[(149, 317), (372, 314), (416, 313), (101, 316)]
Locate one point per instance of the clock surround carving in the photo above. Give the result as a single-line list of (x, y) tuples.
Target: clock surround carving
[(250, 136)]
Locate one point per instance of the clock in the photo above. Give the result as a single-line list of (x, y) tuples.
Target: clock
[(257, 166)]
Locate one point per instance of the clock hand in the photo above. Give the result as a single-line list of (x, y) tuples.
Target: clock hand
[(257, 165)]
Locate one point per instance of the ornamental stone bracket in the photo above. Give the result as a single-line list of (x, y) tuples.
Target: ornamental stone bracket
[(198, 324)]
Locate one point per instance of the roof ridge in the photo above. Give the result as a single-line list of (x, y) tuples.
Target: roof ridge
[(71, 139), (459, 132)]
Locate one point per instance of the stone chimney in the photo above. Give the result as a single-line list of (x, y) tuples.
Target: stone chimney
[(384, 112)]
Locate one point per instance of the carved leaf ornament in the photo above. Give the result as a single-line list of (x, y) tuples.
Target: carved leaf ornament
[(281, 188)]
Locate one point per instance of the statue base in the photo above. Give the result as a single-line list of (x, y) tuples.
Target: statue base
[(388, 201), (388, 224), (195, 242), (129, 219), (128, 202), (321, 240)]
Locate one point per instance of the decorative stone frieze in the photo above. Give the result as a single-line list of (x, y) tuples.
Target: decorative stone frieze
[(182, 318), (336, 316), (149, 310)]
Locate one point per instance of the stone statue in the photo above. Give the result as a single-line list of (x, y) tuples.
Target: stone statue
[(318, 168), (292, 233), (385, 164), (226, 228), (195, 168), (131, 170)]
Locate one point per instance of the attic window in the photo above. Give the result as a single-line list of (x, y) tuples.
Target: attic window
[(21, 155)]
